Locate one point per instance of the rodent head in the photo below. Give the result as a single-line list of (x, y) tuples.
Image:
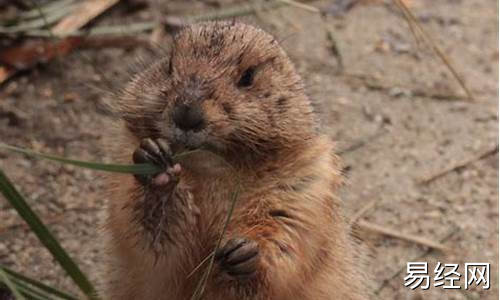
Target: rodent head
[(227, 87)]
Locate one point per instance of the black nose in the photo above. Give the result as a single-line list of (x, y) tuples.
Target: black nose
[(188, 117)]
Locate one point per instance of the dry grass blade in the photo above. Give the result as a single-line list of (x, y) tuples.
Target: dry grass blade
[(47, 9), (418, 38), (416, 27), (403, 236), (459, 165), (101, 30), (86, 12), (35, 24), (377, 84), (201, 264), (229, 12), (419, 257), (360, 213), (197, 295), (301, 5)]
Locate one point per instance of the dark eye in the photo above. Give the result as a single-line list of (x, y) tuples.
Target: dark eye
[(246, 79)]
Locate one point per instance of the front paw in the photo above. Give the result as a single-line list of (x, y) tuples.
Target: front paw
[(239, 257), (156, 152)]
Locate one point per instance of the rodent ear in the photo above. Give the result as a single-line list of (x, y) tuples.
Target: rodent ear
[(246, 79)]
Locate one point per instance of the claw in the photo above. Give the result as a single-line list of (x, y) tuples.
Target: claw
[(239, 257), (156, 152)]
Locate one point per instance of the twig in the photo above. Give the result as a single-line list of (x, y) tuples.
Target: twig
[(413, 22), (386, 281), (459, 165), (399, 235), (6, 73)]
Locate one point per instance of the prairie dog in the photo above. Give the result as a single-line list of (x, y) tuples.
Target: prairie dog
[(229, 90)]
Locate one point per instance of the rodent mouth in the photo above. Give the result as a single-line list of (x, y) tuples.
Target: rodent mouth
[(184, 140), (189, 140)]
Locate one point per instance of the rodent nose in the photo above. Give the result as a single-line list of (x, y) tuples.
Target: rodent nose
[(188, 117)]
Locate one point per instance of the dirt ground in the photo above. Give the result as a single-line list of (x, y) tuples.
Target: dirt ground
[(395, 111)]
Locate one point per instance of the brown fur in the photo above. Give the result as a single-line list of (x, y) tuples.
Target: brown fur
[(267, 137)]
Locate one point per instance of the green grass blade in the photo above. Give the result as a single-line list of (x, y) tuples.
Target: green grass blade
[(12, 287), (44, 235), (135, 168), (22, 291), (30, 292), (48, 289)]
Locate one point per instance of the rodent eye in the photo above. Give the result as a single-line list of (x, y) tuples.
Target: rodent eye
[(246, 79)]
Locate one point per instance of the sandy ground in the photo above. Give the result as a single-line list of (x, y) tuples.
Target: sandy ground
[(396, 113)]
